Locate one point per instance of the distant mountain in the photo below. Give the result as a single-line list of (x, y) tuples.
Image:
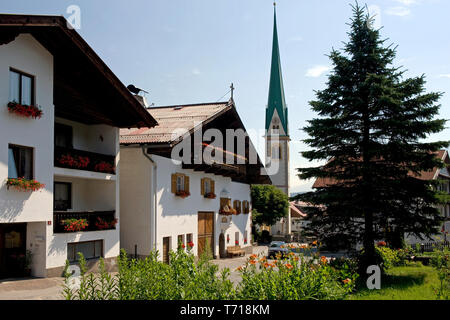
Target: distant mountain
[(293, 194)]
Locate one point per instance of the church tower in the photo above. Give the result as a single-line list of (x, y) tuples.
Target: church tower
[(277, 130)]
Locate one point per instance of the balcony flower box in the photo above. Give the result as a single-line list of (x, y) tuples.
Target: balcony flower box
[(22, 184), (105, 167), (77, 162), (102, 224), (74, 225), (210, 195), (25, 111), (182, 194), (227, 211)]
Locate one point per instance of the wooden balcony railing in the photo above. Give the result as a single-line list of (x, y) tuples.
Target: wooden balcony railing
[(84, 160), (91, 218)]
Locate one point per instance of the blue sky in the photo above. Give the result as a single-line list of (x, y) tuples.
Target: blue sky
[(189, 51)]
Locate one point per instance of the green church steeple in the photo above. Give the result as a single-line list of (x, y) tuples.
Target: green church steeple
[(276, 89)]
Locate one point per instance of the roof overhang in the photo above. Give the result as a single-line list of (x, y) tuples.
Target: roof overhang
[(85, 89)]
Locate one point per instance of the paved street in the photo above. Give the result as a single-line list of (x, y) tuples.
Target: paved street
[(33, 289)]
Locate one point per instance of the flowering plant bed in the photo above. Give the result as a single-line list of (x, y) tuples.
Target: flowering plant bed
[(105, 167), (74, 225), (25, 111), (210, 195), (104, 225), (182, 194), (22, 184), (78, 162)]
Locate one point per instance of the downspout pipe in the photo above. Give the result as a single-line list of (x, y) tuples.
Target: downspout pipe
[(154, 188)]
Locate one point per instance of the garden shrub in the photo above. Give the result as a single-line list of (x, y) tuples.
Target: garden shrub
[(389, 257), (150, 279), (294, 278), (184, 278), (441, 262)]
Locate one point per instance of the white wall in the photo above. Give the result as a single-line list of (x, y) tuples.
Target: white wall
[(175, 216), (136, 201), (27, 55), (89, 138), (97, 195)]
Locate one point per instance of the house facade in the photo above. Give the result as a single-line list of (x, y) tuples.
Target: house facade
[(167, 203), (59, 148)]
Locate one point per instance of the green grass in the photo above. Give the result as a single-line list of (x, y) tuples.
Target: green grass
[(412, 282)]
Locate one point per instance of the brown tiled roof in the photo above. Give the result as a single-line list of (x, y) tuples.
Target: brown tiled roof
[(425, 175), (295, 211), (171, 119)]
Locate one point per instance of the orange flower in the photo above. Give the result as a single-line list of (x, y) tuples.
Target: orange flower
[(239, 268), (266, 265), (314, 242), (346, 281), (289, 266), (252, 261), (323, 260), (253, 256)]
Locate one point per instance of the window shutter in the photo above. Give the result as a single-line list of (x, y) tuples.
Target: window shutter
[(212, 187), (186, 183), (174, 183), (202, 187)]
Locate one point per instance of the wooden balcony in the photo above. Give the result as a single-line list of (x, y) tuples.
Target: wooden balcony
[(84, 160), (90, 216)]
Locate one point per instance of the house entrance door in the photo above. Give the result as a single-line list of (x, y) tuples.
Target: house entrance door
[(12, 249), (205, 232)]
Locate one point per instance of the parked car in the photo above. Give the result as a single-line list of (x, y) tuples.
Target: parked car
[(276, 247)]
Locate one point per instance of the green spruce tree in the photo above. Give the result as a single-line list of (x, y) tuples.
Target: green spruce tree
[(371, 129)]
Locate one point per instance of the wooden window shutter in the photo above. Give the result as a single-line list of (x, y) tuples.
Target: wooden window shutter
[(202, 187), (174, 183), (186, 183), (212, 187)]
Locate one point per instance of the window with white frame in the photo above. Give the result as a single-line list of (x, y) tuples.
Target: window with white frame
[(180, 183)]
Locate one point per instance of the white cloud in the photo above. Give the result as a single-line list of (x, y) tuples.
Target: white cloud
[(444, 75), (398, 11), (317, 71)]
